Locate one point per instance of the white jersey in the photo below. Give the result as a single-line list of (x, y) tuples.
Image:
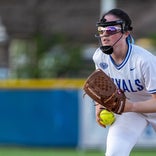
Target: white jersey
[(135, 75)]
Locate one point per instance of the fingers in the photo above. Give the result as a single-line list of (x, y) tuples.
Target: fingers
[(99, 108), (99, 121)]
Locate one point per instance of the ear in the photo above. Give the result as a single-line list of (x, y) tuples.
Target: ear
[(127, 33)]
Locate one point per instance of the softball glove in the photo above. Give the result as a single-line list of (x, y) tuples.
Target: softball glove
[(102, 90)]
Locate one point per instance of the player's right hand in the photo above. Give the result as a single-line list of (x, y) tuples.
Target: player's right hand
[(99, 108)]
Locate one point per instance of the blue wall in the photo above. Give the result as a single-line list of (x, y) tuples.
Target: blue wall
[(39, 117)]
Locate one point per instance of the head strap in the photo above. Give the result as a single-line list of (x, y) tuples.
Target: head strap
[(111, 23)]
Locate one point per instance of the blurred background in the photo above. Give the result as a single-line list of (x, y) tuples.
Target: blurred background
[(46, 49)]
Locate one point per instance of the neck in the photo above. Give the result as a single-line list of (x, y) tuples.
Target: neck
[(119, 53)]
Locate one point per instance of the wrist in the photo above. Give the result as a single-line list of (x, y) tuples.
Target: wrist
[(129, 107)]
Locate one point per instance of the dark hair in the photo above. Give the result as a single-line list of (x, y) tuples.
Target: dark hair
[(122, 15)]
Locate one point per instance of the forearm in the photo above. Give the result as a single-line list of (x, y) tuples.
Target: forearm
[(148, 106)]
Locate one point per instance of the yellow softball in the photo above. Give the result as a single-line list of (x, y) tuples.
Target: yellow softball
[(107, 118)]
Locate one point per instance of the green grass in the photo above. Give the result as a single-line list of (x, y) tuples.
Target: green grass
[(15, 151)]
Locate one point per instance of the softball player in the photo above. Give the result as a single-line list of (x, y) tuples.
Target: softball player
[(133, 69)]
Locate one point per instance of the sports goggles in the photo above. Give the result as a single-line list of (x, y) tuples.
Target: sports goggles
[(109, 30)]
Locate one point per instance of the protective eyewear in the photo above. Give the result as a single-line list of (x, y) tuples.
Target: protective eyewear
[(109, 30)]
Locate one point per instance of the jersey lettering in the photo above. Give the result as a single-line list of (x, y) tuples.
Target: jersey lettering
[(138, 84), (124, 86), (128, 86)]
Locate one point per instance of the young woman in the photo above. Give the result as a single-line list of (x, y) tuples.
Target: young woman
[(133, 69)]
